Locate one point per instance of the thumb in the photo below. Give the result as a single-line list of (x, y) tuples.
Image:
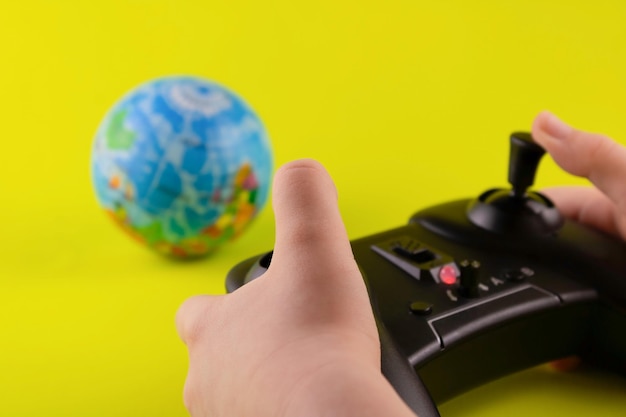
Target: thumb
[(310, 235), (590, 155)]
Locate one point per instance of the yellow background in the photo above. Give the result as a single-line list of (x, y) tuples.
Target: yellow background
[(407, 103)]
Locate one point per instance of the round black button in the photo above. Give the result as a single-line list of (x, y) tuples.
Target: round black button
[(421, 308)]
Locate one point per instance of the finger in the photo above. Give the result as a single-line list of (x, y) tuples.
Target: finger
[(309, 230), (585, 205), (193, 316), (589, 155)]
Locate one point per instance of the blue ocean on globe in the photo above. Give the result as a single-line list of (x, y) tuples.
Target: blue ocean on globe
[(182, 164)]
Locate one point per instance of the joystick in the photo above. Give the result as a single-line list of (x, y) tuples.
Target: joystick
[(523, 162), (470, 279), (501, 278), (517, 211)]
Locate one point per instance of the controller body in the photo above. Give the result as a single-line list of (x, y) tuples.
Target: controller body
[(460, 302)]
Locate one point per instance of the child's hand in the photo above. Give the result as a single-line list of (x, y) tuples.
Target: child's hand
[(300, 340), (595, 157)]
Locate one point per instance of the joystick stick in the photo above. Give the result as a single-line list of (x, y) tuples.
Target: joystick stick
[(523, 162), (501, 278), (470, 279)]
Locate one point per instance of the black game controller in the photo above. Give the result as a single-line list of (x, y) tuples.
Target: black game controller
[(473, 290)]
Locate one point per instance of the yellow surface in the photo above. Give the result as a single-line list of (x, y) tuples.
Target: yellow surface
[(407, 103)]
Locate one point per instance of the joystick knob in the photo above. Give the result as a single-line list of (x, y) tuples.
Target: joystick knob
[(469, 278), (517, 211), (523, 162)]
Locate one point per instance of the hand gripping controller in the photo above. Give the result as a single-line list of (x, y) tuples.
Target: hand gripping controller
[(476, 289)]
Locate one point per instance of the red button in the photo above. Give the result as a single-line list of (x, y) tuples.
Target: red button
[(447, 275)]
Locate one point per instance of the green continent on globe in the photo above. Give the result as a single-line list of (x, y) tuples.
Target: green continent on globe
[(118, 138)]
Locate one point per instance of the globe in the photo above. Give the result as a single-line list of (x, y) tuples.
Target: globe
[(182, 164)]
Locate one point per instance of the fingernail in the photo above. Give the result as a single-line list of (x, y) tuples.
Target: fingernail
[(556, 128)]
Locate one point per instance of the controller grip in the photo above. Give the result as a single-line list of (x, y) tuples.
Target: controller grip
[(402, 377)]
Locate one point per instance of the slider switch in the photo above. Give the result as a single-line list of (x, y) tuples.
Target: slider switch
[(470, 275)]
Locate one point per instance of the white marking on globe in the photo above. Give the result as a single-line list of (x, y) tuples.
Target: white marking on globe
[(209, 104)]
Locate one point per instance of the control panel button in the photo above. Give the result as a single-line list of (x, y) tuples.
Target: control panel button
[(421, 308), (513, 275), (414, 258), (420, 255), (407, 266), (470, 278)]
